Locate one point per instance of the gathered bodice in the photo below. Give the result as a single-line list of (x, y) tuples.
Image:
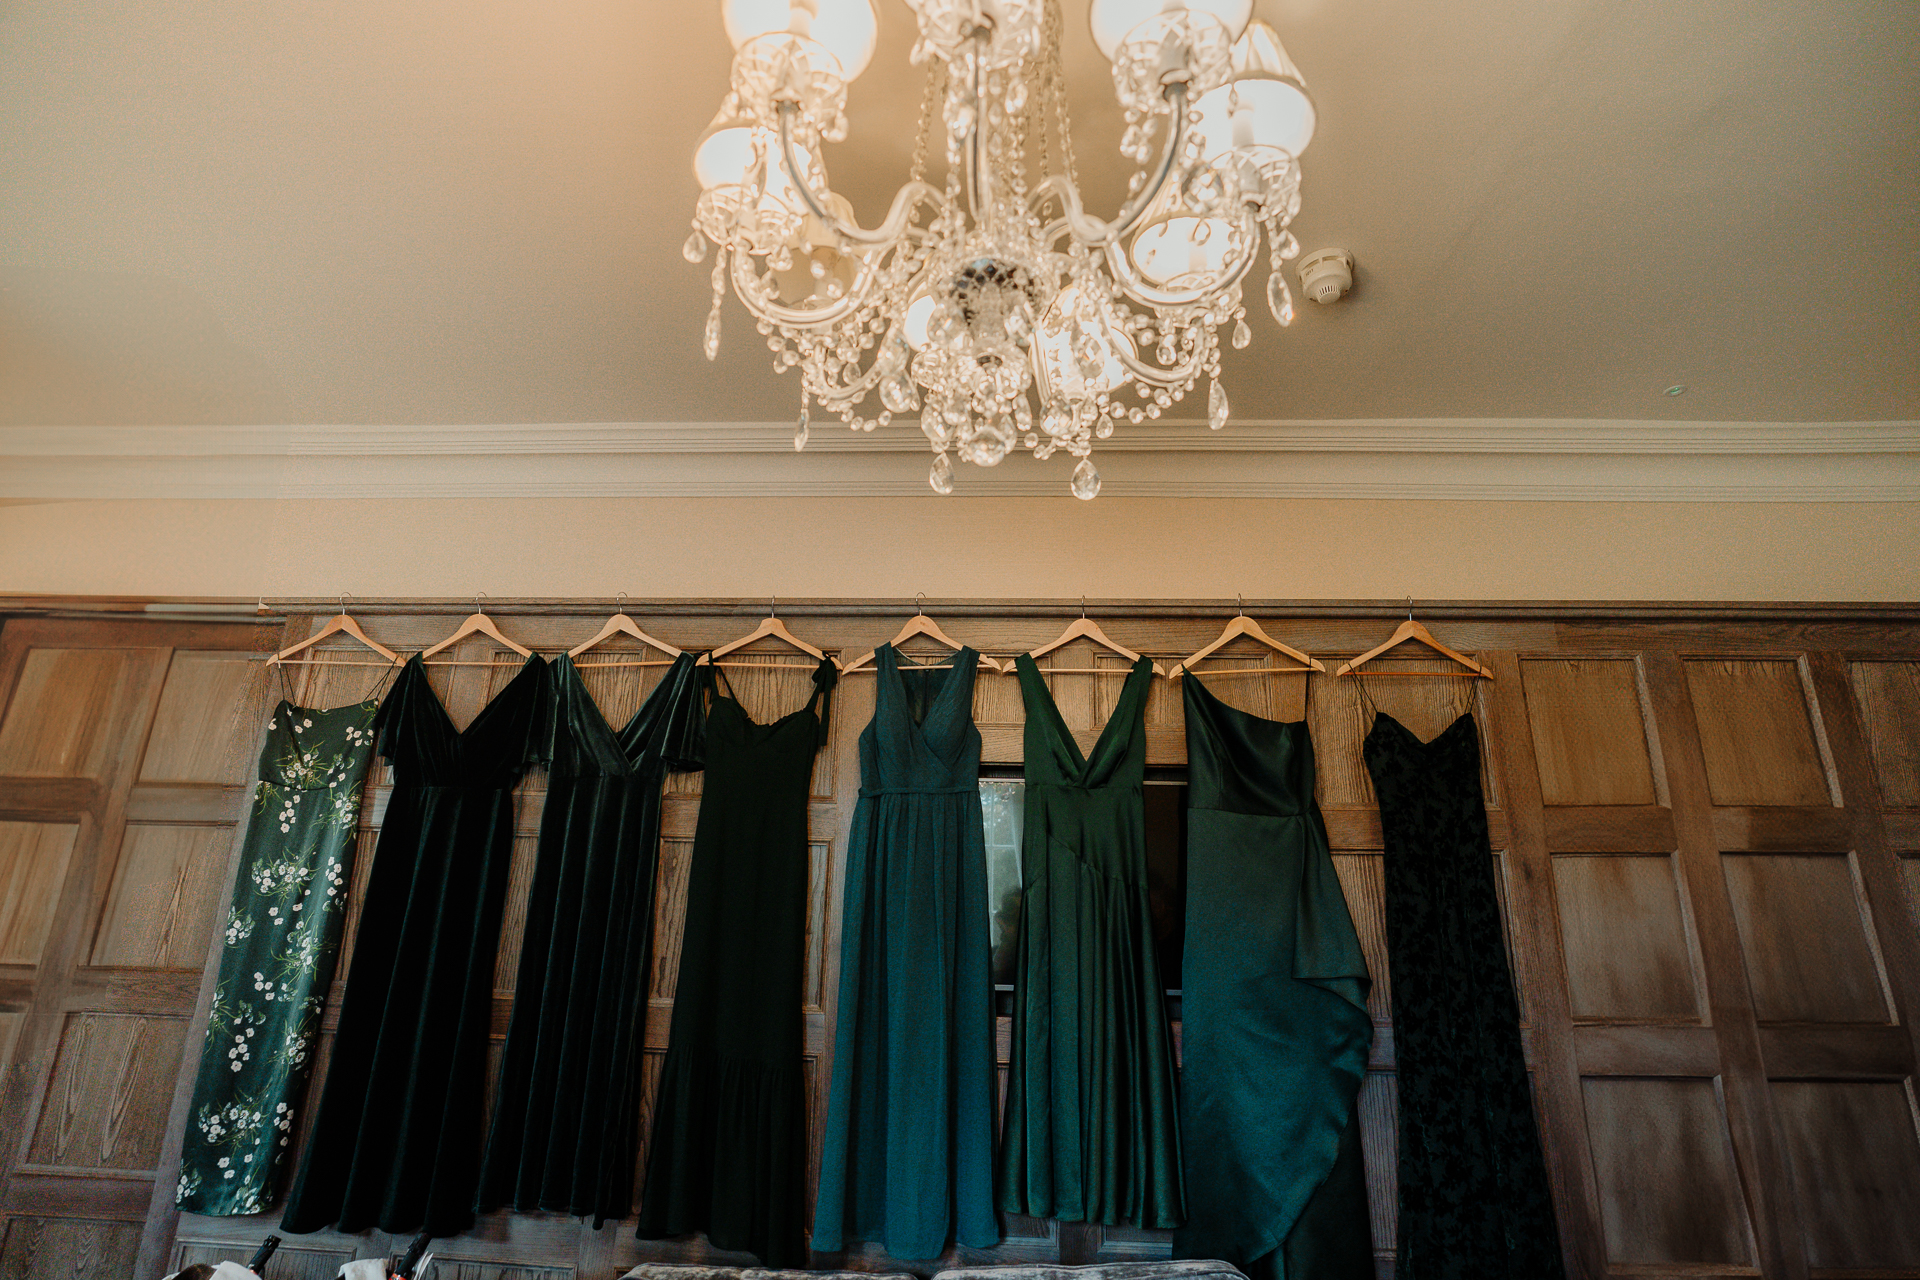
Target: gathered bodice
[(418, 738), (1242, 763), (661, 733), (1053, 758), (922, 736)]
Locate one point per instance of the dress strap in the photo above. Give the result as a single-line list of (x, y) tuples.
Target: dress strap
[(386, 679), (714, 677), (1366, 699), (825, 677)]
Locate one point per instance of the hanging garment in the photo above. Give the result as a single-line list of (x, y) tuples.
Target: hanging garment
[(1273, 1001), (1474, 1198), (907, 1158), (566, 1121), (396, 1141), (282, 943), (728, 1155), (1092, 1129)]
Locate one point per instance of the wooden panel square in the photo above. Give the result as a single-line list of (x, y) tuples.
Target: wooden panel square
[(68, 1249), (168, 886), (1889, 698), (33, 864), (1589, 738), (205, 722), (106, 1107), (71, 709), (1756, 733), (1803, 928), (1856, 1169), (1664, 1167), (1625, 937)]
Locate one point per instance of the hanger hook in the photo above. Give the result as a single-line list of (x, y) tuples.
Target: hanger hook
[(770, 612), (1083, 606), (1243, 603), (478, 596), (920, 602), (343, 602), (1409, 608), (620, 598)]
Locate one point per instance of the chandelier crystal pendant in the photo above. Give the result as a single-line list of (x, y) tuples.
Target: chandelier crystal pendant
[(994, 305)]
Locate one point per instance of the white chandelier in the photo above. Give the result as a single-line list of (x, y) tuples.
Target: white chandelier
[(995, 304)]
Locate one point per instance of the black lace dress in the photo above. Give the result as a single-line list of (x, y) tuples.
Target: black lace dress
[(1474, 1198)]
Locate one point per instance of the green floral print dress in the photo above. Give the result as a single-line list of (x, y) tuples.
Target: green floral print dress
[(282, 941)]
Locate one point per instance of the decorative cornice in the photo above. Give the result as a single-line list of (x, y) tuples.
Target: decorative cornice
[(1466, 458)]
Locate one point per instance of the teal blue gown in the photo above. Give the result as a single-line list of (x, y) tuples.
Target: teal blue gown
[(907, 1155), (1275, 1030)]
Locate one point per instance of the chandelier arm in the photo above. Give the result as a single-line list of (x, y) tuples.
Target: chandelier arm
[(1231, 273), (1144, 372), (976, 146), (744, 282), (1091, 231), (905, 200), (835, 397)]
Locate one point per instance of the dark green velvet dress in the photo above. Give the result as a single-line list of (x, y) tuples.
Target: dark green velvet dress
[(1092, 1126), (907, 1157), (728, 1155), (1474, 1199), (1274, 1025), (566, 1123), (396, 1140)]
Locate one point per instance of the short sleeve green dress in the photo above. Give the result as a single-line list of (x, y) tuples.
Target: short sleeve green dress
[(1092, 1127), (282, 943)]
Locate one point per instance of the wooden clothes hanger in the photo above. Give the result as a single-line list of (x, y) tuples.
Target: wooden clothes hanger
[(1411, 630), (1085, 628), (920, 625), (769, 626), (477, 623), (621, 625), (340, 625), (1242, 625)]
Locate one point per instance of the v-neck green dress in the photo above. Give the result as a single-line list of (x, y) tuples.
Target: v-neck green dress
[(907, 1156), (566, 1119), (1092, 1127)]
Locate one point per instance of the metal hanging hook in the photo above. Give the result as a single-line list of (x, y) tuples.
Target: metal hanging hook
[(770, 600), (1083, 606), (478, 596), (343, 602), (920, 602), (620, 598), (1243, 603), (1409, 608)]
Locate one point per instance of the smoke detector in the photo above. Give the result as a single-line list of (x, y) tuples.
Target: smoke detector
[(1326, 274)]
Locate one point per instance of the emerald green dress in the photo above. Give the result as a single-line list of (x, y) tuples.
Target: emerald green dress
[(907, 1157), (282, 943), (1092, 1127), (1274, 1024)]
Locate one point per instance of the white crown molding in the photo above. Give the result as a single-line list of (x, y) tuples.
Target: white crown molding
[(1468, 458)]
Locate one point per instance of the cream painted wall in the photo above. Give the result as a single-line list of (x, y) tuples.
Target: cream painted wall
[(1000, 548)]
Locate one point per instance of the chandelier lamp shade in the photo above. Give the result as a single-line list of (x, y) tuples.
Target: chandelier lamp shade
[(988, 302)]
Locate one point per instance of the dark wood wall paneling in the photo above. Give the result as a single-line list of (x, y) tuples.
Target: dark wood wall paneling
[(1706, 827)]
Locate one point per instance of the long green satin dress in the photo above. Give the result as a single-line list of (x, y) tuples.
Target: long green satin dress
[(907, 1158), (1274, 1025), (1092, 1127), (566, 1120)]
